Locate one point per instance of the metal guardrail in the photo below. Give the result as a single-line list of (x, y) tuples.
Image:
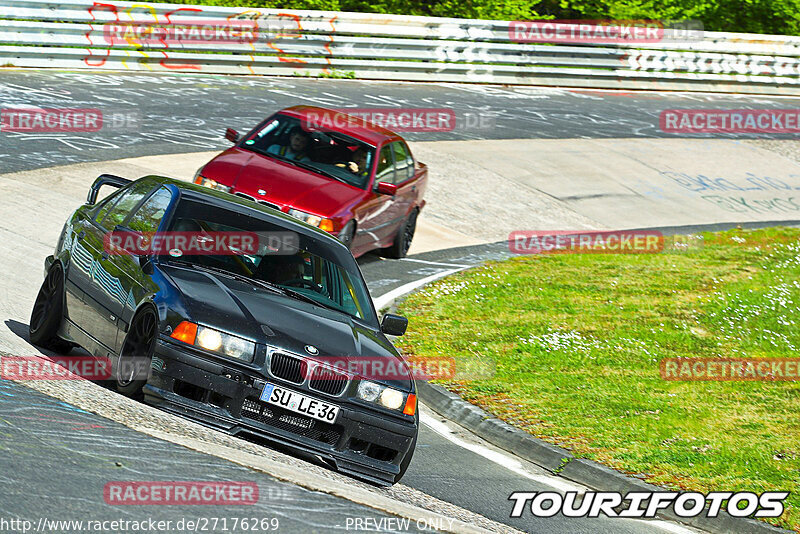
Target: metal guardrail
[(72, 34)]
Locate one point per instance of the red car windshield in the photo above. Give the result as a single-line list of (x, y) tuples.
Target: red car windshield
[(328, 153)]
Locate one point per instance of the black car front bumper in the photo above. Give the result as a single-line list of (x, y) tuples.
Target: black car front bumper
[(359, 442)]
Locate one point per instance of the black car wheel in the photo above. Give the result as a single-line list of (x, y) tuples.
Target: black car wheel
[(402, 241), (136, 355), (47, 312), (347, 233)]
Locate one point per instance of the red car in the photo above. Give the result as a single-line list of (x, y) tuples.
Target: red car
[(334, 171)]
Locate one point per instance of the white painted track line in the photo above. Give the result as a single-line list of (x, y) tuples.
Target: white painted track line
[(433, 262), (504, 460), (386, 299), (516, 466)]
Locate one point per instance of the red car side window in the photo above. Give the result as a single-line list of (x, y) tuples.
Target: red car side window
[(385, 166), (404, 163)]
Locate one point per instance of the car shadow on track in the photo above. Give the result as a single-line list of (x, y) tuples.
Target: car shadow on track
[(21, 331), (370, 258)]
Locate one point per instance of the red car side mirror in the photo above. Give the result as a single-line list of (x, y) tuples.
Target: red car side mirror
[(385, 188), (231, 135)]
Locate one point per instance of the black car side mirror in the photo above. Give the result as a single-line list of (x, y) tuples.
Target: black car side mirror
[(394, 325), (119, 235), (145, 264)]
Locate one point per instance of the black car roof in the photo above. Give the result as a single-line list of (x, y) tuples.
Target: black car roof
[(229, 201)]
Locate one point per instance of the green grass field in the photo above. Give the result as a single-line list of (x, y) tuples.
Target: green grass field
[(577, 340)]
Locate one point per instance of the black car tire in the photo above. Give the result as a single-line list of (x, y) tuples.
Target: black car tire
[(136, 355), (347, 234), (406, 461), (47, 313), (402, 241)]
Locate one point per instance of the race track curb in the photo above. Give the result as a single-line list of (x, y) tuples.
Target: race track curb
[(492, 429), (562, 463)]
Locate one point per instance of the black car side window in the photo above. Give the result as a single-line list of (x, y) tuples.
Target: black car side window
[(106, 204), (149, 215), (129, 200)]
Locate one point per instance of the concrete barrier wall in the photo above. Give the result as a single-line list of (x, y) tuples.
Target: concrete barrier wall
[(80, 34)]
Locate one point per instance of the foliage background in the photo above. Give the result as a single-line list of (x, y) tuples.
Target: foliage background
[(750, 16)]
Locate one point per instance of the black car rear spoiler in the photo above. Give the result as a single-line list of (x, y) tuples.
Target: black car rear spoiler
[(105, 179)]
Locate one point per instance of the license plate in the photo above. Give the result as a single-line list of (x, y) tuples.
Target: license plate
[(299, 403)]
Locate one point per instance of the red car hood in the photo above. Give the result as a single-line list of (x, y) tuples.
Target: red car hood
[(285, 184)]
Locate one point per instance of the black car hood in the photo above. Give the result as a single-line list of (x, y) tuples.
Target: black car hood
[(241, 308)]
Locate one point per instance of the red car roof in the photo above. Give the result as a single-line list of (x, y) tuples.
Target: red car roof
[(360, 129)]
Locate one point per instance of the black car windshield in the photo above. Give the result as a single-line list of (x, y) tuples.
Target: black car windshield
[(246, 245), (332, 154)]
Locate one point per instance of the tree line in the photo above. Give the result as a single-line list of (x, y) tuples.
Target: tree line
[(749, 16)]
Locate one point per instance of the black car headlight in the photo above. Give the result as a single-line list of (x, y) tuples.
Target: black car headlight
[(215, 341), (387, 397)]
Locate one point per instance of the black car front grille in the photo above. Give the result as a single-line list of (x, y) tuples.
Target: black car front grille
[(288, 367), (291, 422), (327, 381)]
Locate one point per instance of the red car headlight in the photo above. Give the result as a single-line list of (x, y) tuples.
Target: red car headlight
[(314, 220), (208, 182)]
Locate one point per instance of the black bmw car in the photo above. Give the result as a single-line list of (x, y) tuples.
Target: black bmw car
[(240, 338)]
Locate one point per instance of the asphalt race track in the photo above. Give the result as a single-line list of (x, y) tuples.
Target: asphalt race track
[(67, 449), (186, 113), (51, 447)]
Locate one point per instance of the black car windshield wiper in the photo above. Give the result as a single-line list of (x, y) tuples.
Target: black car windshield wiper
[(275, 288), (232, 274), (301, 296)]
